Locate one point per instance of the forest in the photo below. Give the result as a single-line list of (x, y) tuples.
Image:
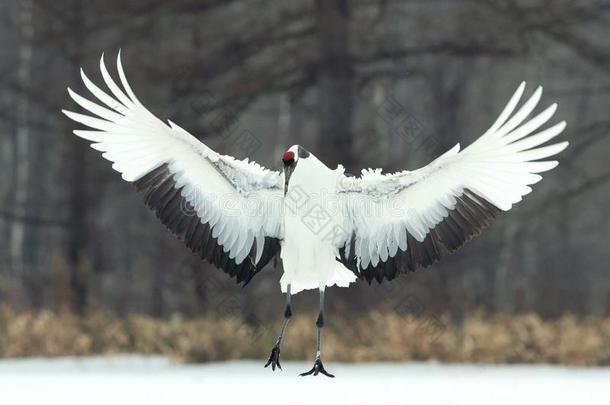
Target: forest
[(364, 83)]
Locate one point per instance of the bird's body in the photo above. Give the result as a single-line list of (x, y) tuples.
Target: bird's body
[(330, 229), (311, 207)]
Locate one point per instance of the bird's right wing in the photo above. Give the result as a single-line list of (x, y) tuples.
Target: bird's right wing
[(228, 211), (407, 220)]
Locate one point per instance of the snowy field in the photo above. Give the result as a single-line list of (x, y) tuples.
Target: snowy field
[(150, 381)]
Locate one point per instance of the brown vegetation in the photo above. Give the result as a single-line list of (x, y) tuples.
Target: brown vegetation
[(371, 337)]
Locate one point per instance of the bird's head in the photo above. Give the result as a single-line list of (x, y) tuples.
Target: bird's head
[(291, 158)]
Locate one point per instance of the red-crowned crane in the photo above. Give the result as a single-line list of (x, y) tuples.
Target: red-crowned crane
[(329, 229)]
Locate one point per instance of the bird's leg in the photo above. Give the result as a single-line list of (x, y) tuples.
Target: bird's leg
[(318, 367), (274, 359)]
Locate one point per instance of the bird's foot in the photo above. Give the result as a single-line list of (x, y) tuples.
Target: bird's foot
[(274, 358), (318, 367)]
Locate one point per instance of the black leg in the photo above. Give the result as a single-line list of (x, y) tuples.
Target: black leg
[(318, 367), (274, 358)]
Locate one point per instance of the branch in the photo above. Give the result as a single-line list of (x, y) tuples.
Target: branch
[(31, 220), (585, 186)]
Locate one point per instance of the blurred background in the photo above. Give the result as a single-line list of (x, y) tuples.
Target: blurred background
[(86, 269)]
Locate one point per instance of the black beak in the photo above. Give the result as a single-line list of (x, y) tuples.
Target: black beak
[(288, 169)]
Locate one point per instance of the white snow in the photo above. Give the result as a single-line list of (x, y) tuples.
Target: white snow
[(156, 380)]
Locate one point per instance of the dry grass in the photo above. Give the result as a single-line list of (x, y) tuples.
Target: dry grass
[(372, 337)]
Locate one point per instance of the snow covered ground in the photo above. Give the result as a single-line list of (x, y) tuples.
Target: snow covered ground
[(155, 380)]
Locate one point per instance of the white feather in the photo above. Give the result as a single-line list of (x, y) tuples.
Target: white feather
[(498, 167), (137, 142)]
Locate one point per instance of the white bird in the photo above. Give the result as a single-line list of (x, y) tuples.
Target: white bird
[(331, 229)]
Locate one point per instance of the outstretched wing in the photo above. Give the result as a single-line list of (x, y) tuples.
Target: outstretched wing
[(408, 220), (228, 211)]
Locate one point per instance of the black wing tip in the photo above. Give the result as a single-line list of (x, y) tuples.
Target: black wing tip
[(470, 216), (162, 196)]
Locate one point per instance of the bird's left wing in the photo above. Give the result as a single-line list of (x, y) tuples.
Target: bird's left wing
[(404, 221), (226, 210)]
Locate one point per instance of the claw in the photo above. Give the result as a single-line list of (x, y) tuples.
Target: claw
[(274, 358), (318, 367)]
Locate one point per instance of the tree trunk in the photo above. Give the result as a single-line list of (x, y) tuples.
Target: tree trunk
[(335, 91), (503, 298), (22, 135), (78, 200)]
